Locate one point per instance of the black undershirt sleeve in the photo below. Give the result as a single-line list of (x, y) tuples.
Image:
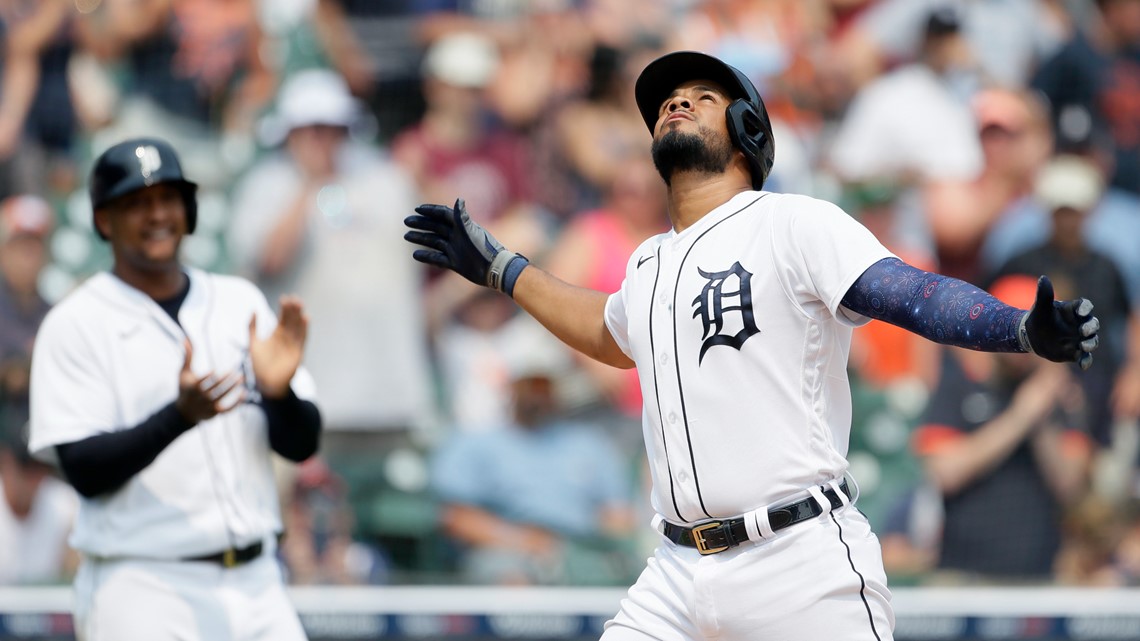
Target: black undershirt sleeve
[(294, 426), (103, 462)]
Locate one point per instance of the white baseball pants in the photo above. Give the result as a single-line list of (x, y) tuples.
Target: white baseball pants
[(142, 600), (821, 580)]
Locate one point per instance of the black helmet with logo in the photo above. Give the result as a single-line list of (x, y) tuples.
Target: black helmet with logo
[(748, 122), (137, 163)]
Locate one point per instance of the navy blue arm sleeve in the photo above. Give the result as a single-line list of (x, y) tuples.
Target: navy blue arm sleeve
[(103, 462), (943, 309), (294, 426)]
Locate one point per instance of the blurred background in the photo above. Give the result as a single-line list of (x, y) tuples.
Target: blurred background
[(991, 140)]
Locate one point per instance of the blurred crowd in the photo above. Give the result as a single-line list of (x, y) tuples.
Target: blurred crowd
[(991, 140)]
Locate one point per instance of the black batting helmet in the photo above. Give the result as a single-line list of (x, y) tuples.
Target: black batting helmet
[(137, 163), (748, 122)]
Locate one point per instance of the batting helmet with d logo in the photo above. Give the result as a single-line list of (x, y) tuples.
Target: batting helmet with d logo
[(748, 122), (134, 164)]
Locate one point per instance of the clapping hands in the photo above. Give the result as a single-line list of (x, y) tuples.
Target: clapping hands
[(276, 358)]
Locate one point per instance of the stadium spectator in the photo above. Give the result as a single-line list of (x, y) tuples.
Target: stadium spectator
[(26, 223), (1013, 128), (759, 38), (1095, 75), (1070, 187), (594, 134), (318, 547), (36, 514), (619, 23), (1002, 441), (912, 123), (453, 150), (193, 72), (1007, 38), (37, 510), (1125, 565), (913, 127), (317, 217), (541, 500), (1110, 228), (909, 535), (318, 33), (471, 350), (1102, 544), (39, 119), (590, 251)]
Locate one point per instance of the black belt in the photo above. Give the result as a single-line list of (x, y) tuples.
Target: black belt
[(232, 557), (718, 536)]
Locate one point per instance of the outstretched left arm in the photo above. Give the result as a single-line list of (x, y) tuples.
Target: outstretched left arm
[(953, 312)]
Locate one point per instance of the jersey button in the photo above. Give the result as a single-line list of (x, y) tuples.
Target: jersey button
[(683, 477), (662, 298), (664, 358), (672, 417)]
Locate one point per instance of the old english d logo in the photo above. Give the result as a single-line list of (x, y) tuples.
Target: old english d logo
[(149, 161), (711, 308)]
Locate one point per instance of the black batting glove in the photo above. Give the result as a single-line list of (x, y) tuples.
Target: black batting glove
[(1060, 331), (456, 242)]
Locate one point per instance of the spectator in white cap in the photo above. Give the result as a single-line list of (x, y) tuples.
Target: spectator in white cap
[(306, 221), (1070, 187), (455, 148), (458, 148)]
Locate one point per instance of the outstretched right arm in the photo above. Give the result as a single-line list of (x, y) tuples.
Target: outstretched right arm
[(574, 314)]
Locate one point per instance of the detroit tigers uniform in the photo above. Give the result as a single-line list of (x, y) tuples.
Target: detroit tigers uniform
[(108, 356), (737, 333)]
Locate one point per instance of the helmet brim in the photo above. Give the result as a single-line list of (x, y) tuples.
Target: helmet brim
[(658, 80)]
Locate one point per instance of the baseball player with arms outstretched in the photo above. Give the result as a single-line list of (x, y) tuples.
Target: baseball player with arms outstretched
[(159, 391), (739, 322)]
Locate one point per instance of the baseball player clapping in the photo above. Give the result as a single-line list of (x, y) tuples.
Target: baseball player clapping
[(159, 390), (739, 322)]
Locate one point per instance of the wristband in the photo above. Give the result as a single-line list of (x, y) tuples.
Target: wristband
[(511, 273), (504, 271), (1023, 334)]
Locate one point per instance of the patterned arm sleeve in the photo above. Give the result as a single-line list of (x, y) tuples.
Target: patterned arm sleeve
[(943, 309)]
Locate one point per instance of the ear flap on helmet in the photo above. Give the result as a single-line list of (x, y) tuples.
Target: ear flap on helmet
[(749, 133)]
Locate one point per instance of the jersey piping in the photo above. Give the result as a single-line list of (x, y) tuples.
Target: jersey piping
[(677, 365), (657, 390)]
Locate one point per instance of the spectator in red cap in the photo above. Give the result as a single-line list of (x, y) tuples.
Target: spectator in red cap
[(25, 225), (36, 510)]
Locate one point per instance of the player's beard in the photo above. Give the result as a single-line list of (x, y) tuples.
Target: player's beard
[(700, 153)]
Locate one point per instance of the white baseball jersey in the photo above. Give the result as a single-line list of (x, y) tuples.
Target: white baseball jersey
[(106, 358), (741, 346)]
